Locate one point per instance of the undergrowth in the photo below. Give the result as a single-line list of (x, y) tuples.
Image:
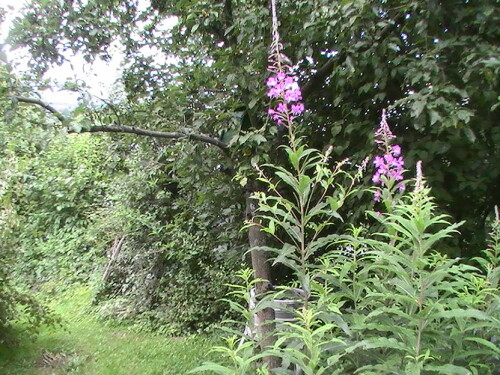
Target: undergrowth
[(85, 346)]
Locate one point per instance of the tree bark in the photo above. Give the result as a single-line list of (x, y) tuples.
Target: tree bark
[(262, 270)]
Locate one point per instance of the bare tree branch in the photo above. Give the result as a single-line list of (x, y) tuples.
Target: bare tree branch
[(322, 73), (38, 102), (156, 134), (127, 129)]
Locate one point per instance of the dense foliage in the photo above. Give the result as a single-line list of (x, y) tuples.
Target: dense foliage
[(174, 205), (19, 310), (174, 259), (434, 62), (373, 303), (383, 301), (67, 199)]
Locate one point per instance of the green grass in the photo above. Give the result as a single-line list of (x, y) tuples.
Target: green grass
[(86, 346)]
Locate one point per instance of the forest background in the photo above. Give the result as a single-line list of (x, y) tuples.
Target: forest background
[(150, 213)]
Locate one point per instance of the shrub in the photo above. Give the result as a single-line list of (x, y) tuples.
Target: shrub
[(19, 312)]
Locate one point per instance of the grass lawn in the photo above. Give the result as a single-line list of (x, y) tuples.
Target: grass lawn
[(85, 346)]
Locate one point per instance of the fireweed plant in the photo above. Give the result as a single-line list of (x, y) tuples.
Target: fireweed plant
[(390, 165), (369, 303)]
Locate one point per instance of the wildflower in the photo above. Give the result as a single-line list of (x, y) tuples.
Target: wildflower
[(272, 81), (284, 87), (297, 109), (282, 107), (396, 150), (292, 96), (281, 76), (383, 135), (282, 84), (391, 164), (419, 183), (275, 91)]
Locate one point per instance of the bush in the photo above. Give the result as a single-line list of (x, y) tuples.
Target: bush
[(174, 285), (20, 313)]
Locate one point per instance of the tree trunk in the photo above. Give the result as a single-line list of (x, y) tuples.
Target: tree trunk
[(261, 270)]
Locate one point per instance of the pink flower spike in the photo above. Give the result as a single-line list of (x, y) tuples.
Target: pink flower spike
[(390, 165), (383, 134)]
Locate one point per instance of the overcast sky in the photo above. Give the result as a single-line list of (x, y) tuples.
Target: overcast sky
[(100, 76)]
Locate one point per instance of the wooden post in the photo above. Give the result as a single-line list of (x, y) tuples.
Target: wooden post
[(262, 270)]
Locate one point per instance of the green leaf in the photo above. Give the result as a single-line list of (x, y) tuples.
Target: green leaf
[(484, 342), (435, 117), (253, 102), (195, 28), (214, 367), (462, 313), (448, 369), (417, 107), (289, 179), (471, 136)]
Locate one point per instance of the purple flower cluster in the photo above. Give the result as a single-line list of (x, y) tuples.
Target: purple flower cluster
[(391, 164), (286, 89)]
